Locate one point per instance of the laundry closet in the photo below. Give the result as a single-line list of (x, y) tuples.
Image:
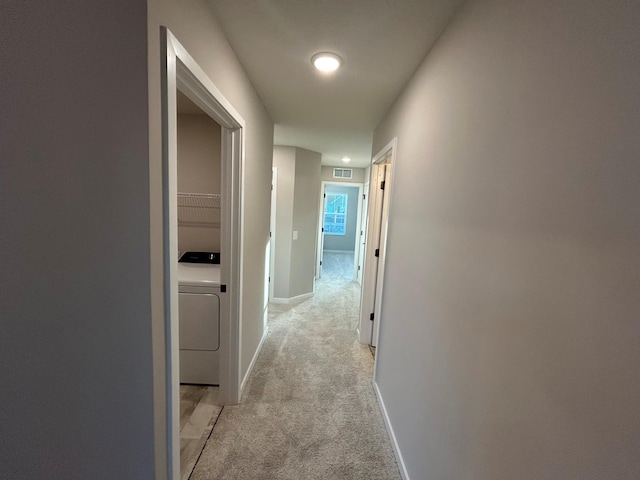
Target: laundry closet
[(199, 240)]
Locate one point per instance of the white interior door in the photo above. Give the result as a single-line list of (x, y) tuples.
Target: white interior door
[(323, 201), (356, 241), (384, 216), (272, 230), (372, 239), (381, 170), (363, 230)]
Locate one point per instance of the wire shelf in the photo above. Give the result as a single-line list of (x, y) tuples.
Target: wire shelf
[(199, 209)]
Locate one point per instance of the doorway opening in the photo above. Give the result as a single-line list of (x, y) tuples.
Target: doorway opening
[(340, 230), (381, 182), (180, 73), (199, 202)]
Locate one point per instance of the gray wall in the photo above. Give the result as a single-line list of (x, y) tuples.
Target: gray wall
[(297, 204), (345, 242), (512, 349), (81, 167), (75, 336), (199, 172), (358, 175), (306, 199), (284, 159)]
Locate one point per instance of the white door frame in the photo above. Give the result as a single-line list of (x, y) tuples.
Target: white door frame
[(272, 230), (372, 263), (364, 211), (179, 71), (382, 244), (321, 226)]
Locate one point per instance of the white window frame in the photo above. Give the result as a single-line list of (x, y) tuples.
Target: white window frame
[(343, 214)]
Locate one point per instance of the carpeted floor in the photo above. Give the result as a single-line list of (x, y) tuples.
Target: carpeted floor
[(309, 411)]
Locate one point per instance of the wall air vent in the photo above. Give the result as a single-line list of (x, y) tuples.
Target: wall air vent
[(342, 173)]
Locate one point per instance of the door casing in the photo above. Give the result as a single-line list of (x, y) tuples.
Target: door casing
[(375, 225), (179, 71), (320, 241)]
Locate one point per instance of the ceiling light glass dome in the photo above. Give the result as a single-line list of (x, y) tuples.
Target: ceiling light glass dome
[(326, 61)]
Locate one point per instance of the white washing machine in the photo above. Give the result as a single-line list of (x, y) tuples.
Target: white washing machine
[(199, 317)]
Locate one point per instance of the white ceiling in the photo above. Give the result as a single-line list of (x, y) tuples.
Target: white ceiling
[(382, 42)]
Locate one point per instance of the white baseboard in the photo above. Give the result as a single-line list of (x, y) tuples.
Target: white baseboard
[(253, 361), (392, 436), (287, 301)]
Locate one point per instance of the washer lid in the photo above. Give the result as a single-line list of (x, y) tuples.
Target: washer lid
[(200, 257), (199, 274)]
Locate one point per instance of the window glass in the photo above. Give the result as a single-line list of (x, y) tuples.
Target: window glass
[(335, 214)]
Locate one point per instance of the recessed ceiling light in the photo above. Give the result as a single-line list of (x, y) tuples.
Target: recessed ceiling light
[(326, 61), (346, 159)]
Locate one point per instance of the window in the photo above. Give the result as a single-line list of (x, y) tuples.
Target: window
[(335, 214)]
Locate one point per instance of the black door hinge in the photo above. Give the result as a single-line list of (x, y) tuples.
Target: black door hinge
[(320, 262), (382, 185), (371, 317), (223, 288), (323, 229), (358, 267), (377, 254)]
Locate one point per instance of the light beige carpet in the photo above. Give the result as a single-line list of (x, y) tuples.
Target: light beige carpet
[(309, 411)]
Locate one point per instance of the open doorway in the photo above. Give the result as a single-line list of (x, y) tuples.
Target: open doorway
[(199, 250), (180, 73), (340, 230)]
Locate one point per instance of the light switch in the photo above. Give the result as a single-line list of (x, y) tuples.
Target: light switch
[(295, 234)]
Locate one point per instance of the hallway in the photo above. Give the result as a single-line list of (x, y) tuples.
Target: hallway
[(309, 410)]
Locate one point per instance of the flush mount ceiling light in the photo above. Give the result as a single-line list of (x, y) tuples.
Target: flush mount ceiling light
[(346, 159), (326, 61)]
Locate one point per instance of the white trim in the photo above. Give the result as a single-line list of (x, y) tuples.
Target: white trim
[(180, 71), (360, 244), (392, 436), (367, 298), (197, 86), (287, 301), (243, 384), (170, 256), (320, 242), (272, 229), (320, 239)]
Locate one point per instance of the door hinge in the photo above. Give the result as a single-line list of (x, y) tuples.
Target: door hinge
[(377, 254), (364, 197), (358, 267), (320, 262), (382, 185), (324, 195), (371, 317), (223, 288), (323, 229)]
